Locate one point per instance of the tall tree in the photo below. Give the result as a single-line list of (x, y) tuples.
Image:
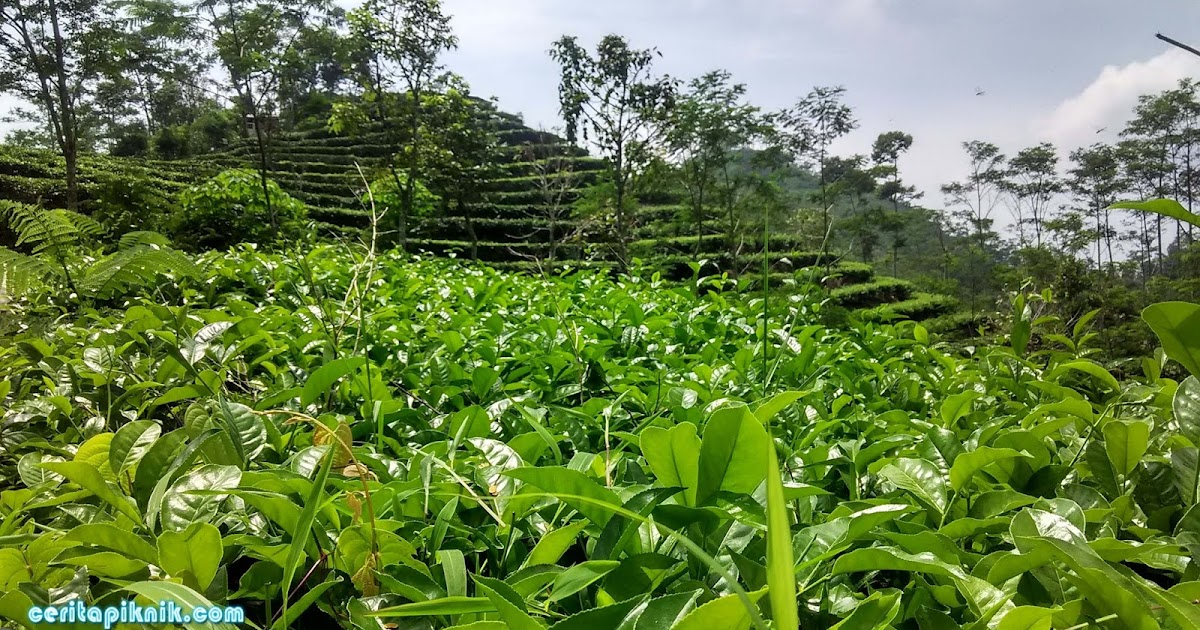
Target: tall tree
[(461, 133), (315, 68), (252, 38), (400, 44), (1170, 123), (52, 53), (1032, 181), (1146, 172), (885, 153), (709, 122), (977, 196), (808, 129), (555, 179), (974, 200), (851, 181), (613, 101), (1095, 181)]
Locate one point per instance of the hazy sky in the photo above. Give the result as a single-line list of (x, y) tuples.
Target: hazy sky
[(1055, 70)]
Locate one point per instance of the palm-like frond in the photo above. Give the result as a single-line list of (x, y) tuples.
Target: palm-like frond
[(20, 273), (133, 267)]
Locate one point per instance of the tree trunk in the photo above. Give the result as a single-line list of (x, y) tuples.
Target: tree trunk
[(69, 126), (622, 245), (465, 210), (413, 158), (402, 215), (263, 166)]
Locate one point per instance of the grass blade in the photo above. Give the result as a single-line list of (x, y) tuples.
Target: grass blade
[(304, 526), (781, 574)]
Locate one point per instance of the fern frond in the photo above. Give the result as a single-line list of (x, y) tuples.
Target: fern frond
[(133, 268), (142, 237), (20, 274), (48, 229), (84, 224)]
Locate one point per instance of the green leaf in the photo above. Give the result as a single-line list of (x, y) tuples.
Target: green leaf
[(508, 602), (1186, 405), (105, 564), (985, 600), (892, 559), (1027, 618), (1046, 536), (454, 605), (89, 478), (454, 569), (182, 506), (191, 555), (640, 574), (673, 457), (1088, 367), (967, 464), (819, 542), (1165, 207), (922, 478), (662, 612), (152, 469), (245, 427), (1177, 325), (31, 471), (498, 457), (876, 611), (14, 604), (14, 569), (579, 577), (766, 411), (781, 570), (567, 482), (95, 452), (322, 379), (131, 443), (554, 544), (483, 378), (112, 537), (727, 612), (304, 526), (1125, 443), (732, 453), (159, 591), (957, 406), (1182, 611), (309, 598), (610, 616)]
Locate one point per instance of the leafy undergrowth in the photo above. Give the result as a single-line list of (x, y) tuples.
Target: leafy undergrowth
[(336, 440)]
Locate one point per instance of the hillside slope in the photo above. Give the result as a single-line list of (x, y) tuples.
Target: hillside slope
[(322, 169)]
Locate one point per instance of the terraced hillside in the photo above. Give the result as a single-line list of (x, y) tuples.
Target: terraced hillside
[(318, 167), (38, 177)]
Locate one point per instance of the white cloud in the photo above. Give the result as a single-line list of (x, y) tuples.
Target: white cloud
[(1108, 102)]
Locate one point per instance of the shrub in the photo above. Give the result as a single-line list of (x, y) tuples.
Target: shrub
[(389, 196), (129, 204), (231, 208)]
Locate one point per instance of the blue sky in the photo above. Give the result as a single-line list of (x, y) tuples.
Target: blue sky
[(1055, 70)]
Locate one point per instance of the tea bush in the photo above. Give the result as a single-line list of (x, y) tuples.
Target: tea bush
[(334, 439)]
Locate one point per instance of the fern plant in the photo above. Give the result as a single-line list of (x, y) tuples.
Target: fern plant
[(60, 245)]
